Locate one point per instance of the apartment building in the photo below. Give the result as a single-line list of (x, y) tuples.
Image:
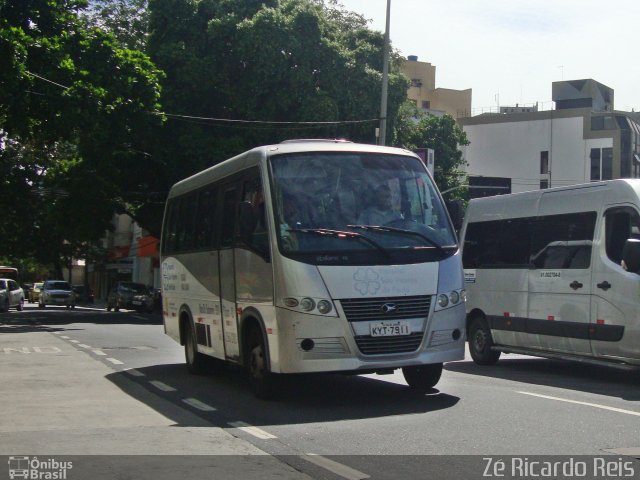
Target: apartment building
[(436, 101)]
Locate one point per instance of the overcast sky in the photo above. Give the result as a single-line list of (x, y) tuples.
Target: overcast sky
[(512, 50)]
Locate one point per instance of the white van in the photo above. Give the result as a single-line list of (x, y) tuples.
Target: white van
[(555, 273)]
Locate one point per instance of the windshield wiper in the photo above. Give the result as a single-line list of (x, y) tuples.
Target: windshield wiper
[(378, 228), (343, 234)]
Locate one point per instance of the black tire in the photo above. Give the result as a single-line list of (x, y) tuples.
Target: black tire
[(481, 341), (196, 362), (108, 307), (116, 308), (423, 377), (263, 382), (20, 305), (5, 306), (41, 305)]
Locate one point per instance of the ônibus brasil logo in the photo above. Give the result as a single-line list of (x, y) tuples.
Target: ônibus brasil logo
[(36, 469)]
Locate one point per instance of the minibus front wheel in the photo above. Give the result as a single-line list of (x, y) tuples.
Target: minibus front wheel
[(263, 382), (423, 377), (480, 342)]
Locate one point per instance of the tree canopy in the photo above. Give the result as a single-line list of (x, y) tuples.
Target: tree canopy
[(104, 105)]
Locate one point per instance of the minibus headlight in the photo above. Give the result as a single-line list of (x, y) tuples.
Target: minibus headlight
[(307, 304), (454, 297), (443, 300), (290, 302), (324, 306)]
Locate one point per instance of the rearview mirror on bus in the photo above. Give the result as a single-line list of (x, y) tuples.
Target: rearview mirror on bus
[(631, 255)]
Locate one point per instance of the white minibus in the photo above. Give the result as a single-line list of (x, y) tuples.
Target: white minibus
[(313, 256), (555, 273)]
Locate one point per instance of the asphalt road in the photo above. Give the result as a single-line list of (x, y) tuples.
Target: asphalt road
[(335, 426)]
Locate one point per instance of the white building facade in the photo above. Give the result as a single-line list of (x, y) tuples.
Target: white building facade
[(517, 152)]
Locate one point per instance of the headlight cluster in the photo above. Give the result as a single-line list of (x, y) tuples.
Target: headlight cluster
[(310, 305), (451, 299)]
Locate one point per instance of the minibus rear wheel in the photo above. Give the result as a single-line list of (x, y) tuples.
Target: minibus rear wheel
[(423, 377), (480, 342), (195, 360)]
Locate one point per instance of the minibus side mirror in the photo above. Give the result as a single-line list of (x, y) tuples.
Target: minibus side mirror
[(456, 212), (246, 220), (631, 255)]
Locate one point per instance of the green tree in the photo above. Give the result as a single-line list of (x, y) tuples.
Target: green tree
[(74, 110), (277, 60), (415, 129)]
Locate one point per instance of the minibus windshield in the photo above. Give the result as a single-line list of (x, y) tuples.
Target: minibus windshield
[(378, 202)]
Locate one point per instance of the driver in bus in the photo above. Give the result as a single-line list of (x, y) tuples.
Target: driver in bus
[(381, 212)]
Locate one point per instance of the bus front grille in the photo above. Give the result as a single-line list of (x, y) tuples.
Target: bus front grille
[(369, 345), (368, 309)]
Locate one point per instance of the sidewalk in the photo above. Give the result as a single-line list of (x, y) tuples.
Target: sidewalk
[(57, 400)]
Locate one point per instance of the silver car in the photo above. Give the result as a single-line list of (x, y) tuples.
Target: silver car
[(57, 292), (11, 295)]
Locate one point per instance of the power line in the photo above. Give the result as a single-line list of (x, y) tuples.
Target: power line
[(194, 118)]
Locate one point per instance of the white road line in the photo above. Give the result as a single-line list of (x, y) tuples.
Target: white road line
[(115, 361), (134, 372), (195, 403), (57, 333), (99, 352), (84, 346), (162, 386), (75, 341), (65, 337), (250, 429), (595, 405), (335, 467)]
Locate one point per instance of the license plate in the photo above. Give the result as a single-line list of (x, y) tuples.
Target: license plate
[(389, 329)]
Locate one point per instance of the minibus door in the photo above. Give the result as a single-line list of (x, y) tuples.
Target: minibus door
[(227, 273), (560, 282), (616, 291)]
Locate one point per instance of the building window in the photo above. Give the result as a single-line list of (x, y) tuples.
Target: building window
[(544, 162), (601, 164), (544, 184), (426, 104)]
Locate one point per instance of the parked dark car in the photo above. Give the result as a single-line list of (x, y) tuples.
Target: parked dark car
[(130, 295), (83, 294)]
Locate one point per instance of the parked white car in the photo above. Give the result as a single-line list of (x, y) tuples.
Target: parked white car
[(57, 292), (11, 295)]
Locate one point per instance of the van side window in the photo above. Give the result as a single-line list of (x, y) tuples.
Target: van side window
[(620, 225), (563, 241), (498, 244)]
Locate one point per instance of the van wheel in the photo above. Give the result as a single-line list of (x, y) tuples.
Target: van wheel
[(20, 305), (263, 382), (480, 343), (5, 306), (423, 377), (195, 360)]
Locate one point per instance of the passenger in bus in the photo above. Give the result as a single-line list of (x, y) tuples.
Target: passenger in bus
[(381, 211), (292, 219)]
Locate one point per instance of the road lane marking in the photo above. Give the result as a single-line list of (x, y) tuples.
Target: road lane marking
[(65, 337), (134, 372), (595, 405), (250, 429), (162, 386), (195, 403), (84, 346), (334, 467), (99, 352), (115, 361), (75, 341)]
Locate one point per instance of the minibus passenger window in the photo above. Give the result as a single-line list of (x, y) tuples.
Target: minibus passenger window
[(620, 225)]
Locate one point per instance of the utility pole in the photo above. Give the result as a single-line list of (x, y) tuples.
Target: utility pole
[(385, 80)]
